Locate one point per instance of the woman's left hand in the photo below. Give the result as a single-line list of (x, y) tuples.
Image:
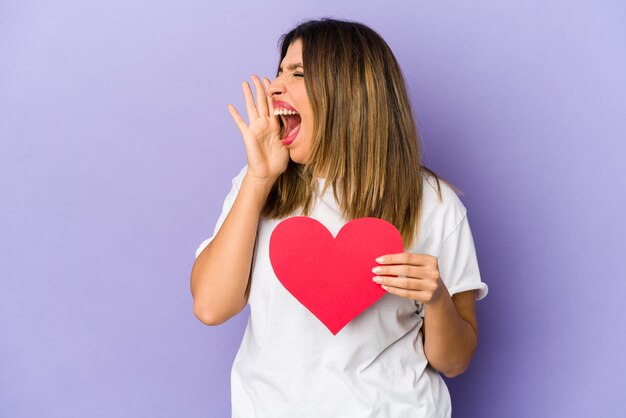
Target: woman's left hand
[(413, 276)]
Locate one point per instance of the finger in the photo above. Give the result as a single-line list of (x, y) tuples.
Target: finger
[(270, 104), (406, 258), (417, 272), (241, 124), (250, 107), (261, 97), (402, 282), (409, 294)]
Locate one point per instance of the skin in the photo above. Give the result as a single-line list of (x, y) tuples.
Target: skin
[(220, 274), (287, 87), (450, 327)]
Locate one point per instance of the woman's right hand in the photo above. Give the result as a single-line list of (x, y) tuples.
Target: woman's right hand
[(267, 157)]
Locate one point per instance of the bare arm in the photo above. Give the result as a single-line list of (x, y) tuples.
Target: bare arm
[(451, 332), (220, 274), (450, 328)]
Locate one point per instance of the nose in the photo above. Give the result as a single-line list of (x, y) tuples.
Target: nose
[(277, 87)]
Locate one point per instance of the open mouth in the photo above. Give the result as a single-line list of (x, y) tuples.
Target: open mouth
[(289, 126)]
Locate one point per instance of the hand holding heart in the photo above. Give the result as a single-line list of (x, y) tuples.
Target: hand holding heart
[(331, 276), (413, 276)]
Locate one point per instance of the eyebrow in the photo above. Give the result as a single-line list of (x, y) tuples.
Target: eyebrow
[(291, 67)]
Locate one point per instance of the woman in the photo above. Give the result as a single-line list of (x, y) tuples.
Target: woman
[(332, 137)]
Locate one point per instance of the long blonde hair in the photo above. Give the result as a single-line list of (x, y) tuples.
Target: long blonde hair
[(365, 139)]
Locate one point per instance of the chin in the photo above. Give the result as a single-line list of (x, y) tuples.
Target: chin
[(296, 157)]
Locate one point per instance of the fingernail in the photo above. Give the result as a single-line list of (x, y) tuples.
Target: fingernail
[(376, 270), (380, 260), (377, 279)]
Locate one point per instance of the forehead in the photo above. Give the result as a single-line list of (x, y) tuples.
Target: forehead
[(294, 53)]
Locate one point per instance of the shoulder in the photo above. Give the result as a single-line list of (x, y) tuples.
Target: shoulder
[(440, 203)]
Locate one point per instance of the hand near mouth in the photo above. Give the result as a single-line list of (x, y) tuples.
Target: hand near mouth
[(267, 157)]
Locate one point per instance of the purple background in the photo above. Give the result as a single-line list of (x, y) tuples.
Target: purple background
[(116, 151)]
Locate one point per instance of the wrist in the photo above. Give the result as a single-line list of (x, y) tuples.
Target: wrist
[(441, 296), (261, 185)]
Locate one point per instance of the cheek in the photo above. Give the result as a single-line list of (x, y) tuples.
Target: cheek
[(307, 126), (307, 138)]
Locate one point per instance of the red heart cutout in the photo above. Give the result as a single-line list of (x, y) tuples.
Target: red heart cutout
[(332, 277)]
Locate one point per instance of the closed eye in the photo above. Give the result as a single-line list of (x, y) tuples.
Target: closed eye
[(294, 74)]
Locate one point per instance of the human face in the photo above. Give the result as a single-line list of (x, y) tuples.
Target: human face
[(288, 92)]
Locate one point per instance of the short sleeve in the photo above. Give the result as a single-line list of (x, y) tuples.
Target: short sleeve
[(228, 204), (458, 263)]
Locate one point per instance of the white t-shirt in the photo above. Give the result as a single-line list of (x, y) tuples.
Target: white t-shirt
[(289, 364)]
